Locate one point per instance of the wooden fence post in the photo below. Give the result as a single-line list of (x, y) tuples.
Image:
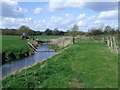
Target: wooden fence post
[(108, 43), (102, 39), (63, 43), (111, 43), (114, 43)]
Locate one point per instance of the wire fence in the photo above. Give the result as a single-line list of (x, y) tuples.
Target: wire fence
[(112, 41)]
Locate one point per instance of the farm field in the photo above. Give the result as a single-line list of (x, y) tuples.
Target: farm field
[(15, 48), (86, 64), (9, 41), (49, 36)]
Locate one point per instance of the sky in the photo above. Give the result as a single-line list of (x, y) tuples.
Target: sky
[(62, 14)]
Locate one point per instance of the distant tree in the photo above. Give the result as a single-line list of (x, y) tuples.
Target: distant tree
[(9, 31), (107, 29), (25, 29), (113, 31), (61, 33), (55, 31), (39, 33), (48, 31), (74, 32), (96, 31), (67, 32)]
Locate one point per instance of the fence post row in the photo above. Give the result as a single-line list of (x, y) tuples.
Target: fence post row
[(111, 42)]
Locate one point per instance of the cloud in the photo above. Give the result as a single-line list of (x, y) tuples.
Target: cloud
[(64, 22), (96, 6), (10, 22), (37, 10), (109, 15), (81, 16), (61, 22), (10, 8), (98, 21), (62, 4), (101, 6)]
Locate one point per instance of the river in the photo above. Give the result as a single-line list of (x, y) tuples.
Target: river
[(16, 65)]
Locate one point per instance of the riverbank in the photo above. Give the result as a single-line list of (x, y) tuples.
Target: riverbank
[(86, 64), (14, 66), (13, 48)]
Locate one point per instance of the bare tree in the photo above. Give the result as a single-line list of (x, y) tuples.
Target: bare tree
[(74, 31)]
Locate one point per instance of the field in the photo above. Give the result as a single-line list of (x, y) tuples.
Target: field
[(15, 41), (86, 64), (12, 42), (50, 36), (15, 48)]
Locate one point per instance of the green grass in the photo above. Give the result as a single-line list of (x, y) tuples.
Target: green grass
[(14, 48), (9, 41), (83, 65)]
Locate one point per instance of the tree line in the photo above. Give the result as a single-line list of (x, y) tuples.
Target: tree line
[(73, 31), (25, 29)]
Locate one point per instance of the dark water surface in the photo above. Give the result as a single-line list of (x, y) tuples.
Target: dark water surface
[(17, 65)]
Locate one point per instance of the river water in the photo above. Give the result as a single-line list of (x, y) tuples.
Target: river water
[(17, 65)]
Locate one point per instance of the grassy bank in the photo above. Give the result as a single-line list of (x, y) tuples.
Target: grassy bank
[(86, 64), (14, 48)]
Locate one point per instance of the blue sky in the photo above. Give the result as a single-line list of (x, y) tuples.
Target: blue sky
[(62, 15), (46, 14)]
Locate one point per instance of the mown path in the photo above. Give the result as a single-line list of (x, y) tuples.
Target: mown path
[(86, 64)]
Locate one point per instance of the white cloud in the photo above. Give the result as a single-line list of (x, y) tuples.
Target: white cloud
[(61, 22), (56, 19), (10, 8), (80, 23), (33, 24), (81, 16), (62, 4), (11, 22), (96, 6), (109, 15), (65, 22), (37, 10), (98, 21)]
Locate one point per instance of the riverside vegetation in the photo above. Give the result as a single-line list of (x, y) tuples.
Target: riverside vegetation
[(85, 64), (13, 48)]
